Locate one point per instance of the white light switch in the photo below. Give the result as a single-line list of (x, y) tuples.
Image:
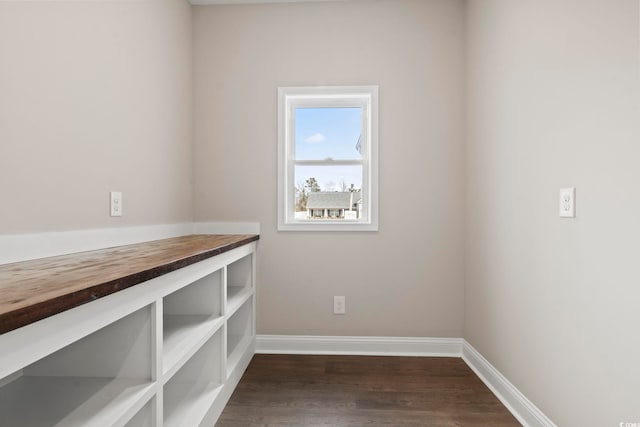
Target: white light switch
[(568, 202), (116, 203)]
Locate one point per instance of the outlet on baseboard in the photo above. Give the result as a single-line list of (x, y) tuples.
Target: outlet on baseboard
[(339, 305)]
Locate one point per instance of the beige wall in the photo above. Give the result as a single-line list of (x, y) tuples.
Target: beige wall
[(554, 303), (406, 279), (94, 96)]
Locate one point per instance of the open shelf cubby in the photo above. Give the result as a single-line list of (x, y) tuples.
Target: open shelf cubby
[(192, 390), (240, 334), (99, 380), (190, 316), (239, 282)]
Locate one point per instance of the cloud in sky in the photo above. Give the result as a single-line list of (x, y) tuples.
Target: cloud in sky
[(315, 138)]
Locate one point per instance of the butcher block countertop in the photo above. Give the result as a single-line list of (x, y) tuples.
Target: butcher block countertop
[(33, 290)]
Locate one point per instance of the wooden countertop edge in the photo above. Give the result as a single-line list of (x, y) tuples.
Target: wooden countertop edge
[(24, 316)]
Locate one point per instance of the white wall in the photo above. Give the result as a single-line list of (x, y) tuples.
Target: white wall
[(94, 96), (551, 302), (406, 279)]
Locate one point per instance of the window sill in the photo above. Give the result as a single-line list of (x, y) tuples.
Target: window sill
[(317, 225)]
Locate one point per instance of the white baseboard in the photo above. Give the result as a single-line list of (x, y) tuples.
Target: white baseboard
[(363, 346), (23, 247), (516, 402)]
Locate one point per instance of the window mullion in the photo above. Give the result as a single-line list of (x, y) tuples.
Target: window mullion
[(355, 162)]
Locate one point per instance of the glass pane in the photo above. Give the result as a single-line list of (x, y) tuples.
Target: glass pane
[(328, 192), (328, 133)]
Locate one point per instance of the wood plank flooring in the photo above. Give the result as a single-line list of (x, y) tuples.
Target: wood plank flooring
[(354, 391)]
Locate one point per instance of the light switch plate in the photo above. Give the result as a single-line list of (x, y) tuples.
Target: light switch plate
[(339, 305), (568, 202), (116, 203)]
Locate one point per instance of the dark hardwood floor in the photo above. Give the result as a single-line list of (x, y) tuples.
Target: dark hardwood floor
[(285, 390)]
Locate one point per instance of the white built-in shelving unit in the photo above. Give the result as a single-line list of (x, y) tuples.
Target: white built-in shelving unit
[(166, 352)]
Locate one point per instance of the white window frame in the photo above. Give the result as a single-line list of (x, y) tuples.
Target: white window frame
[(290, 98)]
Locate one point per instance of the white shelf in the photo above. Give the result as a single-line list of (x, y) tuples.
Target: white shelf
[(239, 282), (144, 417), (71, 401), (186, 404), (239, 333), (202, 297), (240, 272), (236, 346), (232, 343), (236, 297), (192, 390), (183, 336)]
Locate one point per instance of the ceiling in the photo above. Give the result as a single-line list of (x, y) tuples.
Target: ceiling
[(205, 2)]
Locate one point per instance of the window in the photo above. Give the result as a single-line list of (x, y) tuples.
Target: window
[(328, 158)]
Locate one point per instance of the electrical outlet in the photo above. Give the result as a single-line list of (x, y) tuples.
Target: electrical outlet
[(116, 203), (568, 202), (339, 305)]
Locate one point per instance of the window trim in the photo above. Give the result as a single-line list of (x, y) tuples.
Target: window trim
[(363, 96)]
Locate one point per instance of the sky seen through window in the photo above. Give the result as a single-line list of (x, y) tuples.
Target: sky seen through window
[(328, 133)]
